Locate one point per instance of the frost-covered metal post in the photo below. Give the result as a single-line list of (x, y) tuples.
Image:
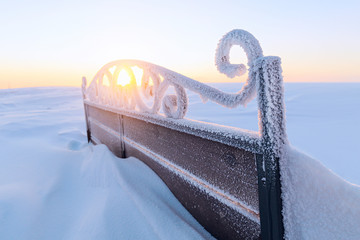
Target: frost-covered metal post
[(273, 135), (264, 76)]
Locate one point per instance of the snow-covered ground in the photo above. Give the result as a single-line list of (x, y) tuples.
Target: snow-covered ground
[(53, 185)]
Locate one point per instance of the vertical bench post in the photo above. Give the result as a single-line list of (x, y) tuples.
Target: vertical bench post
[(83, 90), (273, 134)]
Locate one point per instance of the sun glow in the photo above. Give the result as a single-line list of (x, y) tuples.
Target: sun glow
[(124, 77)]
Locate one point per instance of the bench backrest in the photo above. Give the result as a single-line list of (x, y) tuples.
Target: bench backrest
[(227, 178)]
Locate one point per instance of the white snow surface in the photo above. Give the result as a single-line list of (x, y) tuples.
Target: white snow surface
[(317, 204), (53, 185)]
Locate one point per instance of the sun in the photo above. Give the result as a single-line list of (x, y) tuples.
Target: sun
[(124, 78)]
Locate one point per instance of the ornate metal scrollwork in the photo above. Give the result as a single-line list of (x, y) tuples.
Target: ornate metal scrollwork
[(156, 80)]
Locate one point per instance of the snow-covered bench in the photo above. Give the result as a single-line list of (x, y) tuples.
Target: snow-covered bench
[(227, 178)]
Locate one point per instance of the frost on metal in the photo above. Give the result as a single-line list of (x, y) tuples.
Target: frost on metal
[(271, 104), (253, 51), (151, 95)]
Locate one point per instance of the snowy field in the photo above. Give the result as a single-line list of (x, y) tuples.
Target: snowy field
[(53, 185)]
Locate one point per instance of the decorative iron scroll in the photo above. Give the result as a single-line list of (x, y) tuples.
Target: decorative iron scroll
[(151, 95)]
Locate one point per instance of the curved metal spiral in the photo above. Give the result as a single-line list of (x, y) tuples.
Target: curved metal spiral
[(150, 96)]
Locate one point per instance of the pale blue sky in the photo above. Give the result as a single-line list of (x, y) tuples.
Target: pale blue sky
[(55, 43)]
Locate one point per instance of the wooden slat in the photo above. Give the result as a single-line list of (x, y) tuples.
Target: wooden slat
[(238, 138), (102, 134), (107, 118), (217, 217), (106, 127), (215, 182), (228, 168)]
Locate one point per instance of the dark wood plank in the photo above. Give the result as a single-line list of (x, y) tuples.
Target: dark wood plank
[(107, 118), (107, 137), (228, 135), (230, 169), (215, 182), (217, 217)]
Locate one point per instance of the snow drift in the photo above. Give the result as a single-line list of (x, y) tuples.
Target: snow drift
[(317, 204), (53, 185)]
